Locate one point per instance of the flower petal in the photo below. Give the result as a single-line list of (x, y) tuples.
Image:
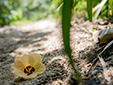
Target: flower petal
[(18, 64), (21, 74), (34, 59), (32, 76), (18, 73), (25, 59), (40, 69), (31, 60)]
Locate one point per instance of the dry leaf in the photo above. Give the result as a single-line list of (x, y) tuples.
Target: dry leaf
[(105, 70), (105, 36), (106, 47)]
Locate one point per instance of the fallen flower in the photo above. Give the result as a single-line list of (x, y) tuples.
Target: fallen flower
[(28, 66)]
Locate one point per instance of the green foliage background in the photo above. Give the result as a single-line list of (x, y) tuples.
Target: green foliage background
[(13, 10)]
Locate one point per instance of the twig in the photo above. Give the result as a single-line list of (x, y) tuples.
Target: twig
[(106, 75)]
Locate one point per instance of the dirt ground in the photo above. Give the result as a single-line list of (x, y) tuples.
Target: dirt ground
[(44, 37)]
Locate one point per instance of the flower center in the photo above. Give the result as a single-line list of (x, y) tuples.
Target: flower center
[(29, 70)]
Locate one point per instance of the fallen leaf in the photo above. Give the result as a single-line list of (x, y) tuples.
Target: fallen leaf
[(105, 36), (105, 70), (106, 47)]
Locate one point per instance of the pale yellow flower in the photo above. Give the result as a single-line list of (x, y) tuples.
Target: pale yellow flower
[(28, 66)]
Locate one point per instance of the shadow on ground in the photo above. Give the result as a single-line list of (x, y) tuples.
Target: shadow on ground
[(12, 39), (92, 68)]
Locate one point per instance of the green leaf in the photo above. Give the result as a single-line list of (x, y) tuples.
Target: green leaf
[(100, 6), (66, 19), (14, 14), (111, 6), (89, 9), (1, 21)]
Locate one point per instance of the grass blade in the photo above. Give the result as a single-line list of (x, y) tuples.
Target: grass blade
[(99, 9), (89, 9), (66, 19)]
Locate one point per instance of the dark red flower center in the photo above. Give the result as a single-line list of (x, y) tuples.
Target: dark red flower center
[(29, 70)]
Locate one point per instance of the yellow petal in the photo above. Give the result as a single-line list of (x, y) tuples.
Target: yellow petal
[(25, 59), (19, 73), (37, 65), (40, 69), (34, 59), (33, 75), (31, 60), (18, 64)]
